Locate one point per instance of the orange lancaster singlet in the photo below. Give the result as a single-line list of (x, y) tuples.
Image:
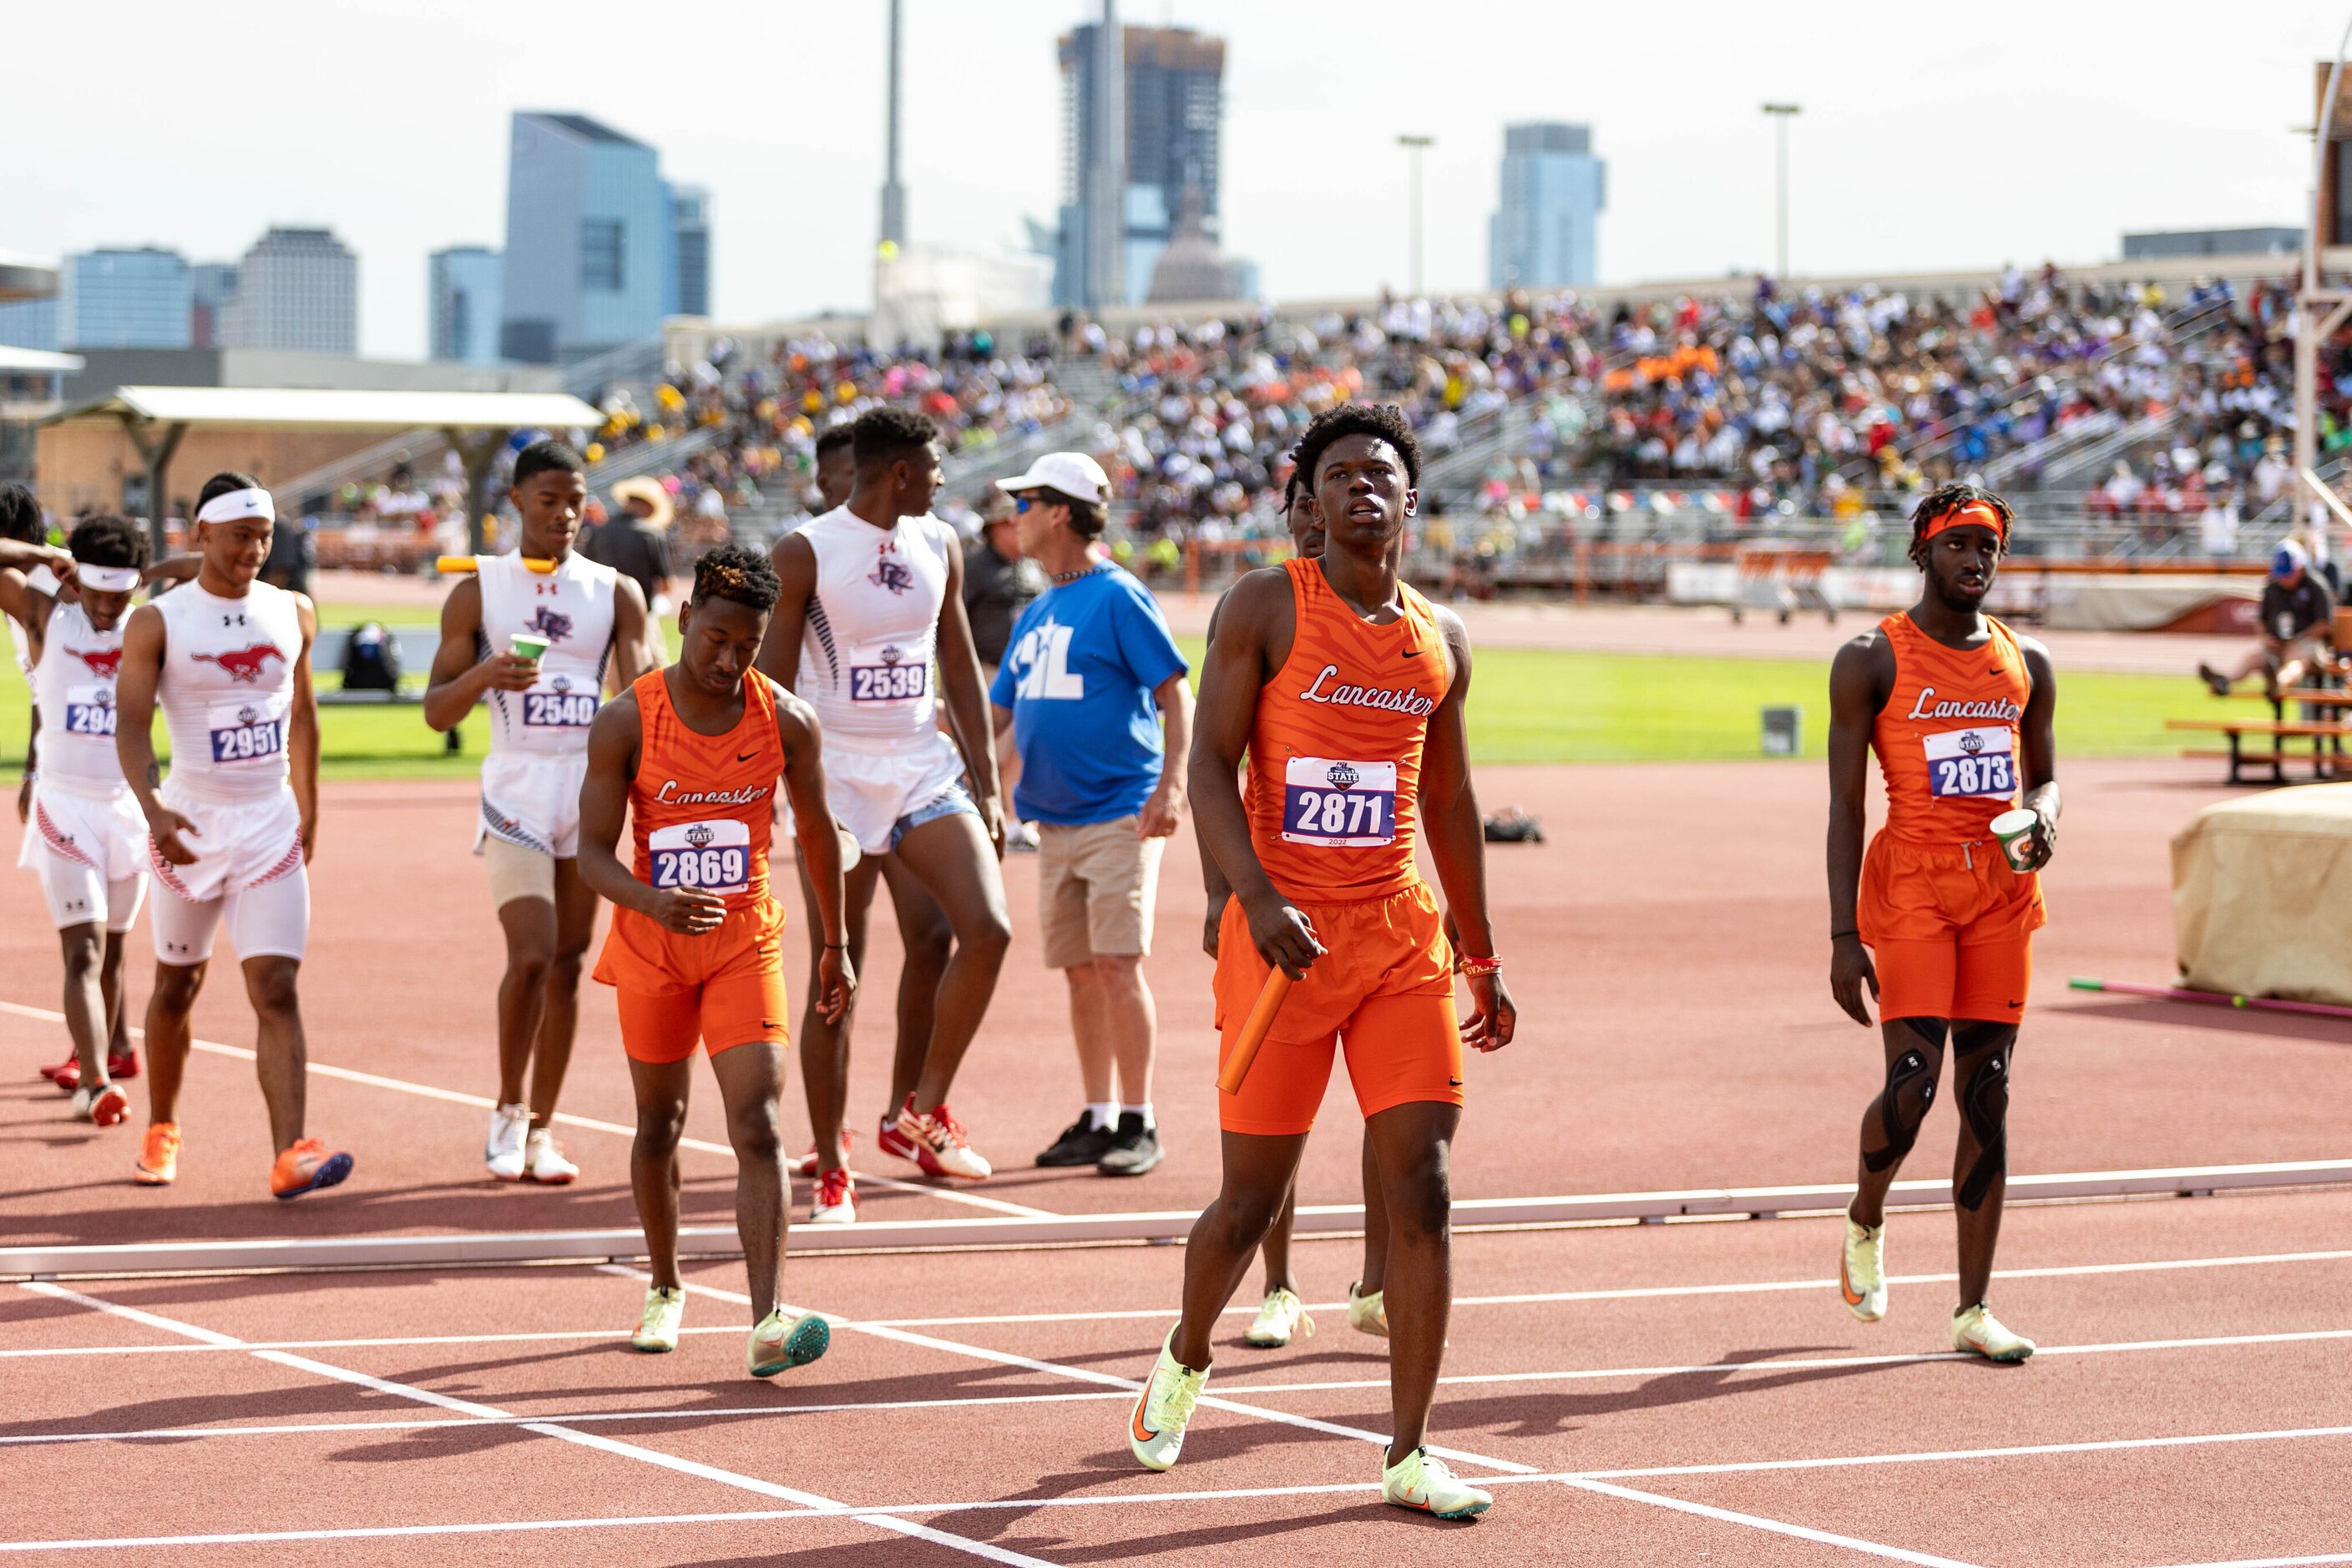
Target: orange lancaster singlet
[(700, 806), (1334, 752), (1948, 738)]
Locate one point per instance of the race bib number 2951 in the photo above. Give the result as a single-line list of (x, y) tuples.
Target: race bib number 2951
[(1339, 805), (714, 855), (1978, 763), (245, 736)]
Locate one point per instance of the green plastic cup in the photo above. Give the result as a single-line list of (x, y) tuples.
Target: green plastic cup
[(2014, 829), (528, 647)]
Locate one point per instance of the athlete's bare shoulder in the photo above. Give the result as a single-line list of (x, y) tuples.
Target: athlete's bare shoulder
[(796, 721), (1864, 667), (794, 555), (1256, 599)]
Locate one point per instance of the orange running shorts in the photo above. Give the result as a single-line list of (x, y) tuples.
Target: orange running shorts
[(724, 988), (1951, 929), (1383, 989)]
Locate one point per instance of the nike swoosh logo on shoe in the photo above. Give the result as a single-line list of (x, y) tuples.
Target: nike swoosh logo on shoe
[(1844, 1289), (1142, 1432)]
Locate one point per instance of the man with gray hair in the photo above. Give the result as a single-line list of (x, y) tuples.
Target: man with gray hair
[(1093, 688)]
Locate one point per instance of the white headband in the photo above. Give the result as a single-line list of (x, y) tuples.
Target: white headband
[(107, 579), (255, 502)]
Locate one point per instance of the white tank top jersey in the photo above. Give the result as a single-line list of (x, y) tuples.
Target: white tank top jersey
[(571, 607), (73, 685), (228, 687), (873, 625)]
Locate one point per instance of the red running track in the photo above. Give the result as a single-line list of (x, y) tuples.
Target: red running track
[(1666, 949), (1637, 1394)]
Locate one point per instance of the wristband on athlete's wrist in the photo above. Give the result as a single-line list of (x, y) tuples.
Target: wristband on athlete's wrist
[(1475, 966)]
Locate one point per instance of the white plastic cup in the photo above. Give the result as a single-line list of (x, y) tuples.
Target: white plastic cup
[(2014, 829)]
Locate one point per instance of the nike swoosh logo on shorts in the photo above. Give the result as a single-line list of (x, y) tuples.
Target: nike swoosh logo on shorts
[(747, 756), (1454, 1083)]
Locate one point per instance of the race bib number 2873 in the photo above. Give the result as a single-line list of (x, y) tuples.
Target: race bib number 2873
[(1978, 763)]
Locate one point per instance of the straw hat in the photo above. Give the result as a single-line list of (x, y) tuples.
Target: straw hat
[(648, 490)]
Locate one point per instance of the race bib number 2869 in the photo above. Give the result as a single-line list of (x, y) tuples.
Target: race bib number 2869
[(714, 855)]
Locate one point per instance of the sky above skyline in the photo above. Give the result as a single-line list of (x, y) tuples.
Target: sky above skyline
[(1922, 145)]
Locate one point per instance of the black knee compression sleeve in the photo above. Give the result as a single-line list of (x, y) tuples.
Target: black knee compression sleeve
[(1984, 1103), (1910, 1091)]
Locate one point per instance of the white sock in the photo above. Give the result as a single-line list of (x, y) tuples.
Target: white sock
[(1143, 1111), (1102, 1113)]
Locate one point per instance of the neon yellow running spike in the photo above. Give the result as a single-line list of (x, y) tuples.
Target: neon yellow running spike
[(1421, 1480), (1156, 1429), (1861, 1271), (658, 1324), (1975, 1330), (1279, 1316)]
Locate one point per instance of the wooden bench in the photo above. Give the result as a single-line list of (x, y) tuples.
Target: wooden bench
[(2325, 738)]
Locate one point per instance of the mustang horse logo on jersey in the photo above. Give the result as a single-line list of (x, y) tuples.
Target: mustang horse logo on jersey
[(106, 662), (244, 664)]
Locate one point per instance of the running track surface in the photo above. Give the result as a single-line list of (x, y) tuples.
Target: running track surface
[(1675, 1034), (1638, 1394), (1666, 948)]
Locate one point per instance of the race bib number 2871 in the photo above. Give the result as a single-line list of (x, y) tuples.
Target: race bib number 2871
[(1337, 804), (1978, 763)]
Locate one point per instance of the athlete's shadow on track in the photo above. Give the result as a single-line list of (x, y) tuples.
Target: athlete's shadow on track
[(1145, 1543), (1543, 1414)]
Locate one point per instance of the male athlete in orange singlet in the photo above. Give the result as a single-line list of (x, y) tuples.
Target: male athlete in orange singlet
[(1959, 709), (693, 754), (1346, 689)]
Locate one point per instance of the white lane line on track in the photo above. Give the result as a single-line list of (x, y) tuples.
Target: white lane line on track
[(1591, 1481), (2274, 1562), (479, 1103), (1778, 1527), (1622, 1293), (584, 1440), (1340, 1385)]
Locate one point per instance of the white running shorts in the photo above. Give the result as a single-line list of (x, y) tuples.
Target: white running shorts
[(248, 874), (90, 850), (532, 803), (871, 793)]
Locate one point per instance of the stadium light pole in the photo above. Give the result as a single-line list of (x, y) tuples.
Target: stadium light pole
[(1781, 114), (1414, 146), (2319, 310)]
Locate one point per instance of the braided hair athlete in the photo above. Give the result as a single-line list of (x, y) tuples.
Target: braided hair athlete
[(1934, 919)]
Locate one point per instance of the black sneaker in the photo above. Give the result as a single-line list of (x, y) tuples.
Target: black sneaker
[(1134, 1148), (1081, 1143)]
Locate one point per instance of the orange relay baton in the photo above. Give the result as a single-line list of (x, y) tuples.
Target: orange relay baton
[(1261, 1019)]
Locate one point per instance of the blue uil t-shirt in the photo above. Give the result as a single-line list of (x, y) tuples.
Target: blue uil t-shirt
[(1078, 674)]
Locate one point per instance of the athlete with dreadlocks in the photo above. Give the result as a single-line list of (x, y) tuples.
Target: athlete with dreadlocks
[(1934, 919), (693, 754)]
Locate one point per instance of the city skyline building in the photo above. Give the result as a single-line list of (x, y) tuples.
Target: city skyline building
[(123, 299), (30, 323), (211, 285), (1123, 189), (462, 308), (298, 290), (686, 283), (1545, 231), (588, 240)]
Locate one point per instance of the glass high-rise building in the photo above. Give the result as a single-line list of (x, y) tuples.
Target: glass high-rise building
[(462, 303), (686, 290), (588, 239), (1173, 110), (297, 288), (30, 323), (123, 299), (211, 285), (1544, 232)]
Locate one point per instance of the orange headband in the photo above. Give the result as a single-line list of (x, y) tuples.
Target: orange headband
[(1982, 514)]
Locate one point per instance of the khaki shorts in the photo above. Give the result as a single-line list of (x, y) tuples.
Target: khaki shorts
[(1096, 886)]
